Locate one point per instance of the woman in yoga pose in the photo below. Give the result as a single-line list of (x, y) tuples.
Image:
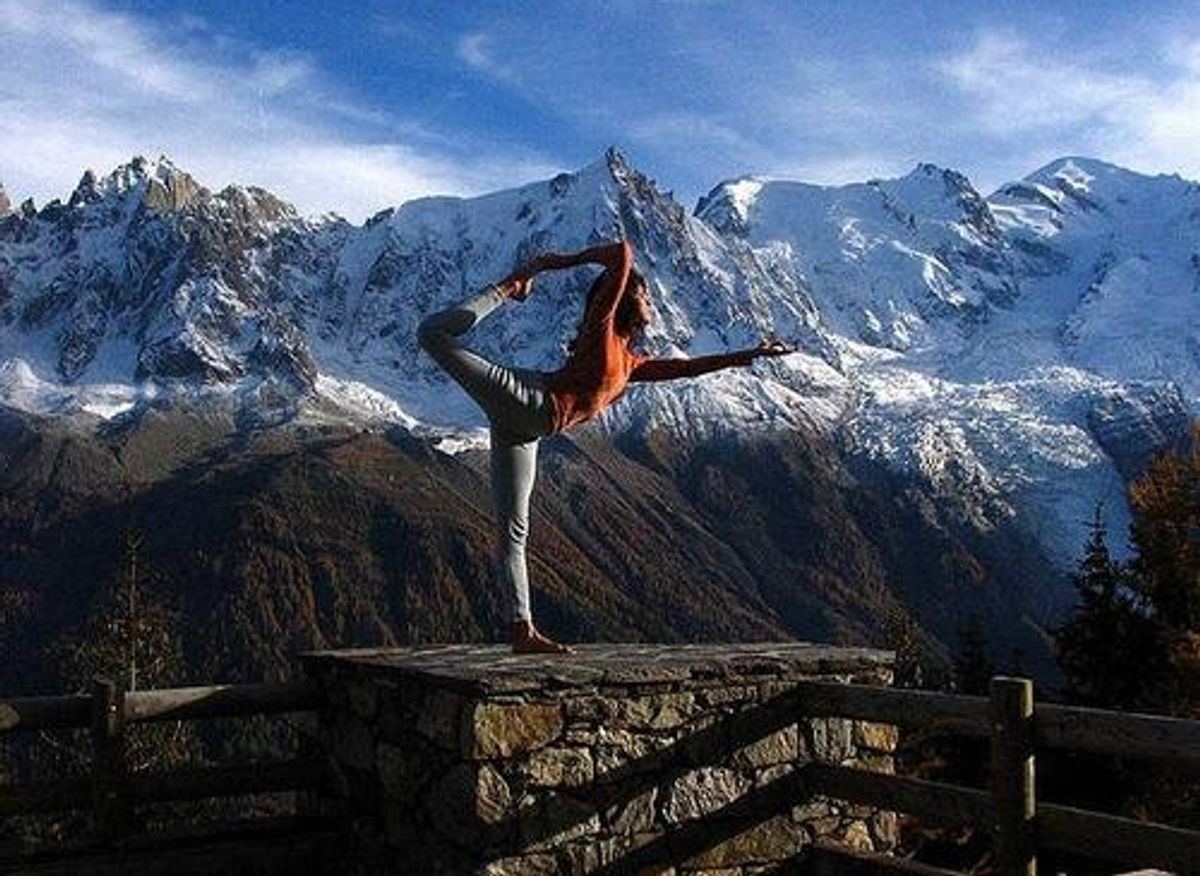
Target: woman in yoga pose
[(522, 406)]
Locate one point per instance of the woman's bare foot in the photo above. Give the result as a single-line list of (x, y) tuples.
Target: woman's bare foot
[(526, 639), (515, 287)]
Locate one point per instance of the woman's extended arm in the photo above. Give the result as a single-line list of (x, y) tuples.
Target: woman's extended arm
[(673, 369)]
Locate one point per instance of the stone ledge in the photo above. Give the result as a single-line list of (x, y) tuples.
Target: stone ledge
[(461, 760), (494, 669)]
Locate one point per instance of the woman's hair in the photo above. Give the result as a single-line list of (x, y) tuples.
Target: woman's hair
[(628, 319)]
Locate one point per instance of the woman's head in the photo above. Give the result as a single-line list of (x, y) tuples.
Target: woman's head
[(633, 312)]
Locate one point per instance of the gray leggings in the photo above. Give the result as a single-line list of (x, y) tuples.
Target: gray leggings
[(519, 414)]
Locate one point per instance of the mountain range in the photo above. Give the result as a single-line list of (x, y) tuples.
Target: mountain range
[(974, 374)]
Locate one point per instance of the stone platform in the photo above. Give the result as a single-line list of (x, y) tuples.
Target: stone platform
[(674, 759)]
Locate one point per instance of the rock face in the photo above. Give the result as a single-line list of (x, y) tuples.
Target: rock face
[(679, 759)]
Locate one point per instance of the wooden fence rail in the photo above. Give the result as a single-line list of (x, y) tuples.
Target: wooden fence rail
[(113, 791), (1017, 728), (168, 704)]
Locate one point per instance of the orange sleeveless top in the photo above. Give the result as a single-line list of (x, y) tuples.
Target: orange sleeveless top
[(598, 367)]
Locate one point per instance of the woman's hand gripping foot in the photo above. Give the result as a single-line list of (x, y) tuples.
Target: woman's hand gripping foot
[(516, 287)]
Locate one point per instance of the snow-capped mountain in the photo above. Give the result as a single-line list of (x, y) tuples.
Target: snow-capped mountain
[(1020, 352), (144, 281), (1024, 350)]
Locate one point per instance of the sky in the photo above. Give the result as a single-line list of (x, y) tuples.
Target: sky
[(355, 107)]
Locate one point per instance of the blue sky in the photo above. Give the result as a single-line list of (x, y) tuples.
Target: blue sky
[(355, 107)]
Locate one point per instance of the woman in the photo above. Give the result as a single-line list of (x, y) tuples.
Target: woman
[(522, 406)]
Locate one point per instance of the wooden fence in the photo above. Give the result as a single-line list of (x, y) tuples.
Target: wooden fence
[(113, 791), (1017, 729)]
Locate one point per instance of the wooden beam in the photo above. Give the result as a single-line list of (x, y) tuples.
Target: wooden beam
[(1118, 840), (935, 801), (110, 790), (1128, 734), (170, 704), (222, 701), (887, 705), (44, 713), (34, 797), (229, 781), (1013, 776)]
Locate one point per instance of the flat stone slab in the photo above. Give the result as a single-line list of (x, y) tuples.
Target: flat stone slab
[(486, 669)]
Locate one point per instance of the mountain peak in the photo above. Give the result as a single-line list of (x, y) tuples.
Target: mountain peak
[(1078, 166), (1078, 183), (950, 180), (613, 164), (727, 206), (162, 185), (1083, 174), (5, 203)]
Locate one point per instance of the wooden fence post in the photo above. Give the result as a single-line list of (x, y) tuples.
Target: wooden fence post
[(1013, 776), (112, 806)]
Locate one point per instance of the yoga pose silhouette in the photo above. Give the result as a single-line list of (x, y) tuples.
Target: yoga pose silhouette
[(522, 406)]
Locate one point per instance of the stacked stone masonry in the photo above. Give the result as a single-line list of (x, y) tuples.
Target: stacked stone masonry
[(618, 759)]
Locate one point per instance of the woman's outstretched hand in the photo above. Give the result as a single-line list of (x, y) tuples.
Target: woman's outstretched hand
[(767, 348)]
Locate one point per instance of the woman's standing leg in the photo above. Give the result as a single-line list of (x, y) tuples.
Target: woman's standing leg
[(517, 409), (514, 469)]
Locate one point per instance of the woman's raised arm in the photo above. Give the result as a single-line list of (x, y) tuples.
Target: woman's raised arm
[(611, 255)]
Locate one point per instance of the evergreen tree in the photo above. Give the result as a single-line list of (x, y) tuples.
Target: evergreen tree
[(973, 669), (917, 664), (131, 636), (1108, 646)]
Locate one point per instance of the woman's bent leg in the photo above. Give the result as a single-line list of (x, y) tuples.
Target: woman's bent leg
[(438, 335), (514, 469), (512, 399)]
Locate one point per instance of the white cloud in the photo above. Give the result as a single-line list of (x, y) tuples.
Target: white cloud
[(81, 86), (1020, 91), (475, 50)]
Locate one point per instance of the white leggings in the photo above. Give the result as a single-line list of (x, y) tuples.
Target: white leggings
[(519, 413)]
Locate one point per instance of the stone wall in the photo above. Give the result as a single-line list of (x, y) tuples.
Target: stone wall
[(617, 759)]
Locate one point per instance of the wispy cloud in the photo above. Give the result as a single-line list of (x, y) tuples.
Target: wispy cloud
[(477, 51), (82, 86), (1040, 98)]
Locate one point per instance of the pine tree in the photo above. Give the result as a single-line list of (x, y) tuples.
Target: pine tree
[(131, 636), (1108, 646), (973, 669)]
